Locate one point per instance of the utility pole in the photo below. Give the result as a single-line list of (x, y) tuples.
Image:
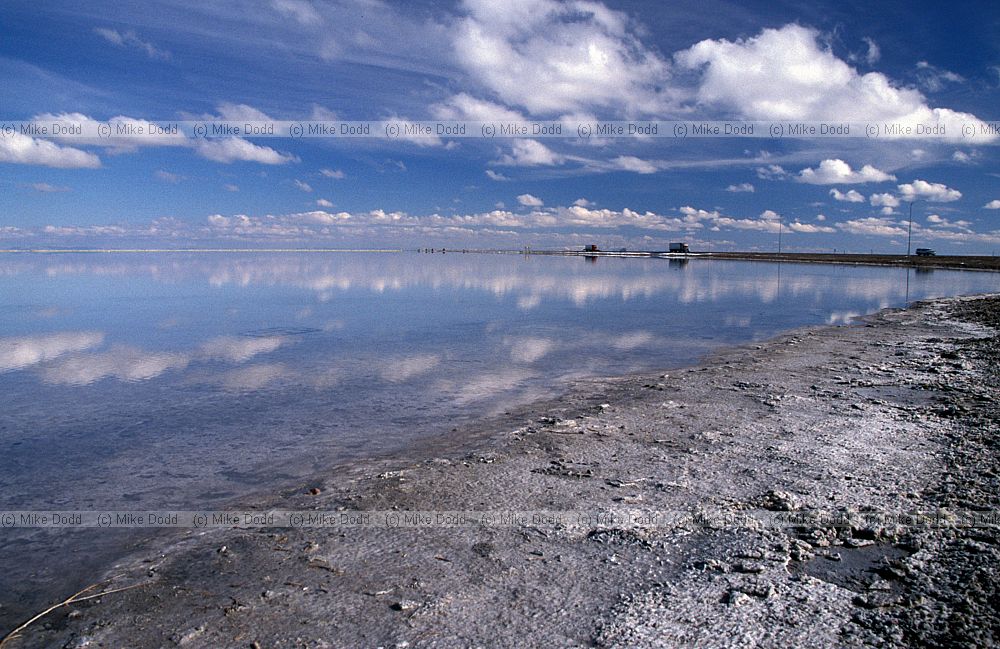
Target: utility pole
[(779, 234)]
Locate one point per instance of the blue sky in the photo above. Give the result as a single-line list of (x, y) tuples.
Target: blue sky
[(532, 59)]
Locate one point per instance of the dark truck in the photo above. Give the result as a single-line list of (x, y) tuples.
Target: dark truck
[(925, 252)]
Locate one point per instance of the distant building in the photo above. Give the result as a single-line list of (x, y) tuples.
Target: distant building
[(679, 247)]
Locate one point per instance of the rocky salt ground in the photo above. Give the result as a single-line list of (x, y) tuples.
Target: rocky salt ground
[(896, 414)]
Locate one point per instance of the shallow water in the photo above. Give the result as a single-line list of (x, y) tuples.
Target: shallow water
[(183, 380), (162, 380)]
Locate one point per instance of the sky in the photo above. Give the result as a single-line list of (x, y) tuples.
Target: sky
[(936, 64)]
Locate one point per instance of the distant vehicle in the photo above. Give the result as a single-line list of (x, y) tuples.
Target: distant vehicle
[(925, 252), (590, 248), (679, 247)]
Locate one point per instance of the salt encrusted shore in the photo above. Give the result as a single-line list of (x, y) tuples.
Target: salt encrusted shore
[(895, 414)]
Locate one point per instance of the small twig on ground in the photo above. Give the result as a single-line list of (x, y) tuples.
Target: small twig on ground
[(79, 596)]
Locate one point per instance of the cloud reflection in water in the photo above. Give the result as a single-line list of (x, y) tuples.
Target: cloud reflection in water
[(467, 324), (24, 351), (128, 363)]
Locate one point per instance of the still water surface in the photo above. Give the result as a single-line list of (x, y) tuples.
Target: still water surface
[(165, 380), (183, 380)]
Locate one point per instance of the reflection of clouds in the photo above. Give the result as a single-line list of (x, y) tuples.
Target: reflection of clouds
[(121, 362), (529, 284), (324, 284), (128, 363), (768, 286), (528, 350), (500, 275), (256, 376), (407, 367), (485, 386), (238, 350), (630, 341), (23, 351), (579, 289), (528, 302), (252, 377)]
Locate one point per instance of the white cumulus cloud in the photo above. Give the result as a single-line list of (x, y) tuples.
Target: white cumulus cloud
[(231, 150), (224, 150), (530, 153), (558, 57), (772, 172), (884, 200), (933, 192), (852, 196), (938, 221), (838, 172), (872, 226), (22, 149), (809, 228), (632, 163), (788, 73)]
